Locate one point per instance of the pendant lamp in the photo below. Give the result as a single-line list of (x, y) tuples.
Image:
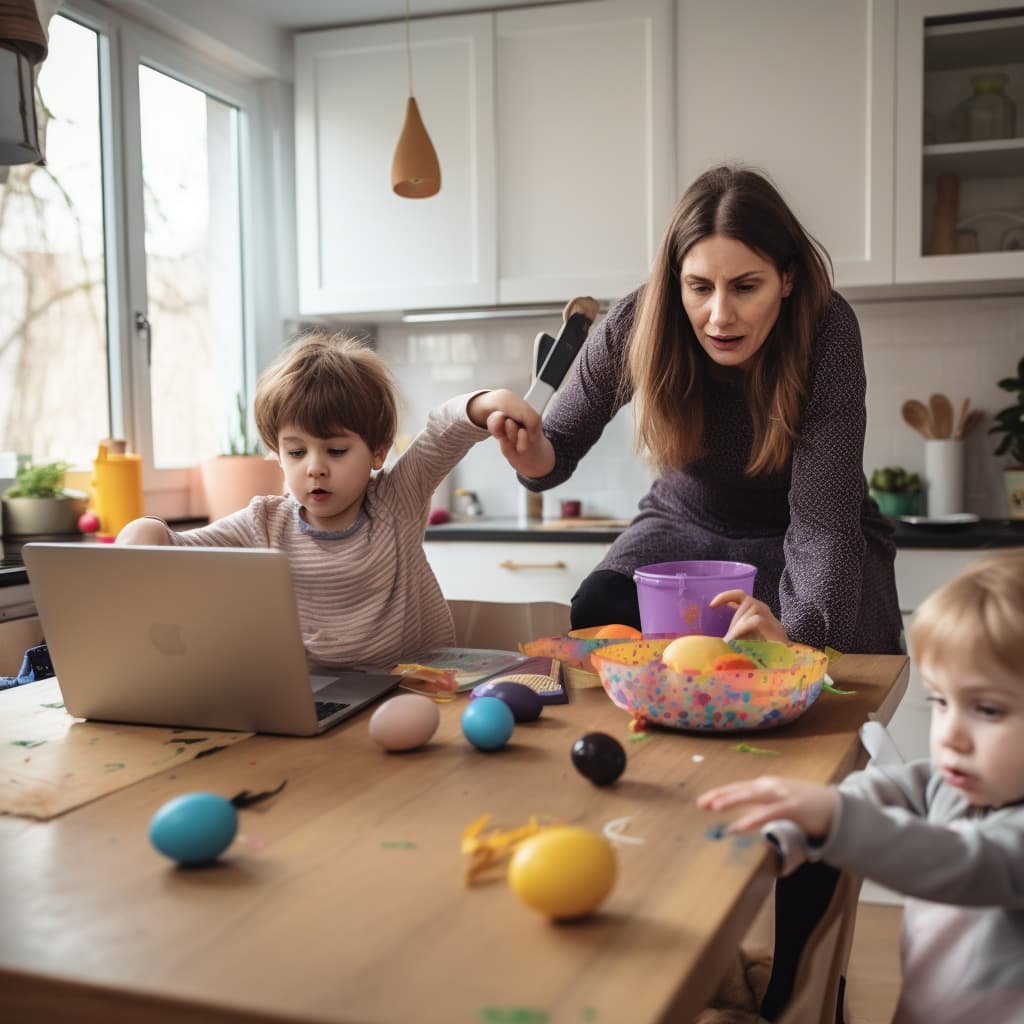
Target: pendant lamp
[(22, 46), (415, 171)]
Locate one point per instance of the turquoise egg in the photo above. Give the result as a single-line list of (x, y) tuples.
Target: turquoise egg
[(487, 723), (194, 828)]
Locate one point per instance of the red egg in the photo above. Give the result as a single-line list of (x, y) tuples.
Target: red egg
[(88, 522)]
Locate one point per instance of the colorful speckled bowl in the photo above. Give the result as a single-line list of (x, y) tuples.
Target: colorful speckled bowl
[(638, 681)]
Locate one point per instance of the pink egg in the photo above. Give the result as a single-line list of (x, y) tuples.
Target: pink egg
[(405, 722)]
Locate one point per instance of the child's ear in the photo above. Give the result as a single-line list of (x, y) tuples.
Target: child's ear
[(380, 454)]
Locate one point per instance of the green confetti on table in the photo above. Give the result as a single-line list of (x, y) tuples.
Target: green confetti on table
[(746, 748), (513, 1015), (113, 766), (27, 743), (639, 737), (832, 688), (54, 704), (398, 844)]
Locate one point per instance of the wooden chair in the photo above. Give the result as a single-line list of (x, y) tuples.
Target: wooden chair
[(503, 626)]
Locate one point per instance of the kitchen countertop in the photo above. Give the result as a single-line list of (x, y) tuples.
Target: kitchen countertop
[(988, 533)]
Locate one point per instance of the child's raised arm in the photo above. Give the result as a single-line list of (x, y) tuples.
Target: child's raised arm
[(517, 429)]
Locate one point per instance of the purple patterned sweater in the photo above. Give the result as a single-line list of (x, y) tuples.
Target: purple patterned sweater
[(824, 553)]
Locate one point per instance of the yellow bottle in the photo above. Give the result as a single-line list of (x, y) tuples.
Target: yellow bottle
[(116, 488)]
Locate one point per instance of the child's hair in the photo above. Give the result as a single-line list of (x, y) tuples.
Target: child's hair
[(977, 616), (323, 383)]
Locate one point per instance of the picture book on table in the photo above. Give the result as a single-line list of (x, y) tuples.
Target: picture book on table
[(454, 669)]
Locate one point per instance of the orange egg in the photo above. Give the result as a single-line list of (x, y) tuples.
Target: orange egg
[(618, 631), (733, 663)]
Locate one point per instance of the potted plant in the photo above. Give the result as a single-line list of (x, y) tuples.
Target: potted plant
[(233, 479), (38, 502), (1010, 423), (895, 490)]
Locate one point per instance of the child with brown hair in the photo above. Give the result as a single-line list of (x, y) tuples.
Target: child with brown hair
[(352, 530), (947, 833)]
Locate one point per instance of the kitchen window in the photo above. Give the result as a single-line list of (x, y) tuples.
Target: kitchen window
[(124, 307)]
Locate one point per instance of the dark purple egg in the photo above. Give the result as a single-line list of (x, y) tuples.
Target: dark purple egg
[(599, 757), (524, 703)]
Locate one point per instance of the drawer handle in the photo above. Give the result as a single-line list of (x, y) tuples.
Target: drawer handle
[(507, 564)]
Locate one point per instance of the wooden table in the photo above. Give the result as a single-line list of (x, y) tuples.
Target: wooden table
[(344, 899)]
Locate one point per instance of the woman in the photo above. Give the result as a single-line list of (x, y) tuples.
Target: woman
[(748, 379)]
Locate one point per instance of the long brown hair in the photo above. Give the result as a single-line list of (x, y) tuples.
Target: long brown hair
[(667, 367)]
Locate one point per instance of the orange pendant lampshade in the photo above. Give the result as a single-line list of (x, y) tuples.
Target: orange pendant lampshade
[(415, 171)]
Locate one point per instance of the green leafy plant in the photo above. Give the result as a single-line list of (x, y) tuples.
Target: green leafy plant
[(895, 480), (240, 442), (45, 481), (1010, 421)]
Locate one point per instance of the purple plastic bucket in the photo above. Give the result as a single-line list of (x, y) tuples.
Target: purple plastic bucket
[(674, 596)]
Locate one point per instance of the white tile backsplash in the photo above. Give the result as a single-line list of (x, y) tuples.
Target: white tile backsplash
[(911, 349)]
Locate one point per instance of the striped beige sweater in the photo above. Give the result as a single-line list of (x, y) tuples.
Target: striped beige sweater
[(365, 595)]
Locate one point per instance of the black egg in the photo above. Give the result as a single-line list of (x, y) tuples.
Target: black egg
[(599, 757), (524, 703)]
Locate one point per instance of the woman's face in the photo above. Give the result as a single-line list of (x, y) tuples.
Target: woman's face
[(732, 297)]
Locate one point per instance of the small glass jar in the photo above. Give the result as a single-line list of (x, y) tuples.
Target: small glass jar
[(991, 114)]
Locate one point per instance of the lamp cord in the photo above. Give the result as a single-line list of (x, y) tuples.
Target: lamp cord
[(408, 46)]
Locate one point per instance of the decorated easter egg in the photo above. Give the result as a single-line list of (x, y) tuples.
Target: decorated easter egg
[(487, 723), (599, 757), (194, 828), (405, 722), (563, 872), (694, 652), (617, 631), (523, 701)]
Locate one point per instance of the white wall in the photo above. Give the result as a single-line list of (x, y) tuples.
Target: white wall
[(911, 349)]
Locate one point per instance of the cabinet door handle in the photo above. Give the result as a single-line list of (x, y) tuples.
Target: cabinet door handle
[(507, 564)]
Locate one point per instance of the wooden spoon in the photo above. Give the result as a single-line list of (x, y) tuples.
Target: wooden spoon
[(973, 418), (942, 415), (916, 415), (961, 420)]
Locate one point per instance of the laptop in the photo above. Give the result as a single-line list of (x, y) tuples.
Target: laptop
[(201, 638)]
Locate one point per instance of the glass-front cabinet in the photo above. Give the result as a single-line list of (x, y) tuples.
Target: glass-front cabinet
[(960, 141)]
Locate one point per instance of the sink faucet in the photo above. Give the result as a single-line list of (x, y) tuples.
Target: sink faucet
[(473, 506)]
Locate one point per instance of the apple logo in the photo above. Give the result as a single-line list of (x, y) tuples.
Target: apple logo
[(166, 638)]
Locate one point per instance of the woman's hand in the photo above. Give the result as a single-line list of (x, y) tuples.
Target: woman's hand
[(810, 806), (517, 428), (143, 531), (752, 619)]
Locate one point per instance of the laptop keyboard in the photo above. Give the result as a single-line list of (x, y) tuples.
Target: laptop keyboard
[(326, 708)]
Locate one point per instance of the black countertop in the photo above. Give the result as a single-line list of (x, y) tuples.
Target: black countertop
[(988, 533)]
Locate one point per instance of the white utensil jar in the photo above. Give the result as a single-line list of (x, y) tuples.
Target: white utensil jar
[(944, 476)]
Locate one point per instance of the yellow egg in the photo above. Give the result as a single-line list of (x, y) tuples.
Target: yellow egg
[(694, 652), (563, 871)]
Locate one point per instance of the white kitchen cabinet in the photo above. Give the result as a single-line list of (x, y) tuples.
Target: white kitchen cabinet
[(586, 155), (805, 92), (360, 246), (515, 572), (942, 44)]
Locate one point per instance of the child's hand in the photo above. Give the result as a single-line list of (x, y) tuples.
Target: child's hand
[(517, 428), (752, 619), (143, 531), (810, 806)]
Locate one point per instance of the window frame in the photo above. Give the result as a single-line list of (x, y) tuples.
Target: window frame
[(123, 46)]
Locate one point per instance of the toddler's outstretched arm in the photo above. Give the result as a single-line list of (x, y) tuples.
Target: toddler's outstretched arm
[(517, 429), (807, 805)]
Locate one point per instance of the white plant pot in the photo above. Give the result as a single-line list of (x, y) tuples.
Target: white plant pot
[(27, 517)]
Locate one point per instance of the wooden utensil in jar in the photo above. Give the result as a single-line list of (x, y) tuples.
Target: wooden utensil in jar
[(961, 420), (916, 415), (941, 409), (973, 418)]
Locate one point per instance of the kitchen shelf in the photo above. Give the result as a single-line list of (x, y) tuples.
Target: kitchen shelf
[(968, 44), (999, 158)]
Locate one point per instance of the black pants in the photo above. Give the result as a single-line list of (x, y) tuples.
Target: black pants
[(605, 597)]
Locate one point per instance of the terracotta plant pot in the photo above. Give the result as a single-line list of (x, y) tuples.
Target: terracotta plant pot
[(232, 481)]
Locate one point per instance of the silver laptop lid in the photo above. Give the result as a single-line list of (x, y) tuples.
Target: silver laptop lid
[(195, 637)]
